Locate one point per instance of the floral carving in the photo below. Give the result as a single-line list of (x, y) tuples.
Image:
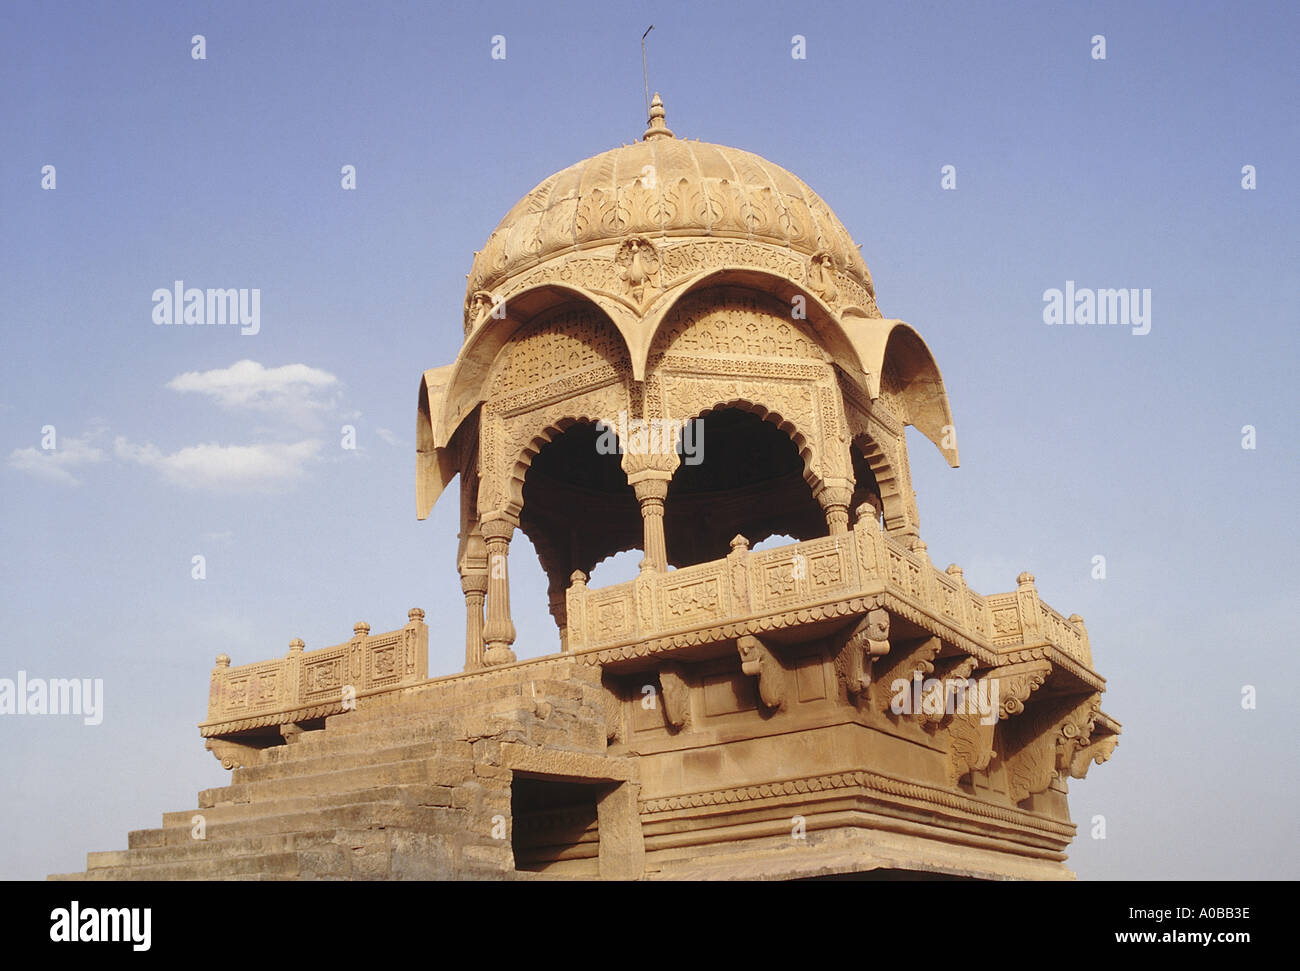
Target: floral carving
[(695, 598)]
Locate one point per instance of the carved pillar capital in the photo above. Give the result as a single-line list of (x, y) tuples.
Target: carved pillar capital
[(834, 497), (499, 527)]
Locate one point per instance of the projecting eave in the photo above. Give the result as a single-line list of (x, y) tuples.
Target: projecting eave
[(882, 343), (435, 465)]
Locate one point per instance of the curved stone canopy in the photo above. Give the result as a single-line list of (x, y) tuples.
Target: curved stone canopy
[(659, 188)]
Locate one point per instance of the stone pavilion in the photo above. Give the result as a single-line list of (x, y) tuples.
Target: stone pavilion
[(672, 347)]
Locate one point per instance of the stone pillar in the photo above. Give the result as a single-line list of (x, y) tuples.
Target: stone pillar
[(474, 584), (651, 487), (834, 500), (499, 630)]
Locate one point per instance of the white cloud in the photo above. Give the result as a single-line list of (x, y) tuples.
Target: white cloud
[(387, 436), (57, 464), (247, 384), (265, 466)]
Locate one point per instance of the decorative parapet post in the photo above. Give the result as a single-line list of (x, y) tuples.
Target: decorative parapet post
[(356, 662), (870, 541), (963, 600), (217, 689), (1077, 621), (1027, 600), (576, 602), (499, 629), (738, 569), (928, 585), (292, 675)]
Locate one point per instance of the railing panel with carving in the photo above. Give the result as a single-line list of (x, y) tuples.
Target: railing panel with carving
[(262, 691), (1065, 635), (1004, 615), (862, 562)]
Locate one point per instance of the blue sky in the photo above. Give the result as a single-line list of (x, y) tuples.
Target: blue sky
[(1075, 441)]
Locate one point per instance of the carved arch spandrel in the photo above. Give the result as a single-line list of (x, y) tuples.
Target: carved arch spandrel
[(777, 283), (566, 367), (467, 384), (512, 443), (732, 347)]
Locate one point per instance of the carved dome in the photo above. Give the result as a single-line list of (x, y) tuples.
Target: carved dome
[(659, 190)]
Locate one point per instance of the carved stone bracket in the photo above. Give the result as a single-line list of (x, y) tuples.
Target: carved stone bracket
[(904, 661), (971, 745), (757, 660), (1097, 751), (940, 703), (614, 730), (231, 755), (865, 643), (676, 695), (1048, 741), (1016, 682)]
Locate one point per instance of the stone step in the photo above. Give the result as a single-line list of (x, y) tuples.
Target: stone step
[(283, 833), (315, 833), (496, 699), (312, 763), (277, 865), (416, 795), (343, 819), (193, 850), (405, 811), (397, 717), (330, 741), (426, 771)]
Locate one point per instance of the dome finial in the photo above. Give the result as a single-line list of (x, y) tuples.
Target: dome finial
[(658, 127)]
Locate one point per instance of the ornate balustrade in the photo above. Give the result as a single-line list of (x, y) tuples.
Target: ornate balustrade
[(305, 685), (811, 580)]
